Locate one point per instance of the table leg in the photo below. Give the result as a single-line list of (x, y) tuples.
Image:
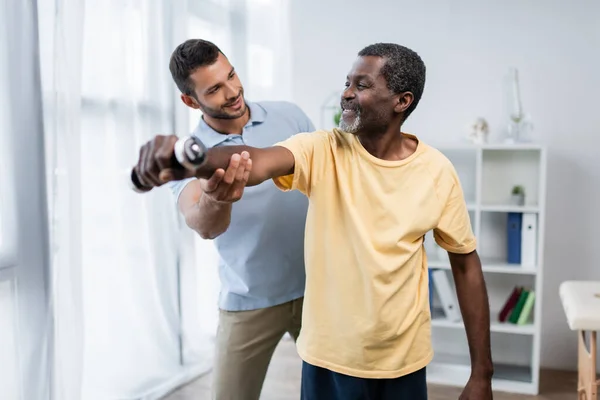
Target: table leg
[(587, 383)]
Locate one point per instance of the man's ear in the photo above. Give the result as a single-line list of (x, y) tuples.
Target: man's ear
[(404, 101), (189, 101)]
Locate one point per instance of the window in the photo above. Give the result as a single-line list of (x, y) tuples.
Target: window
[(7, 210), (124, 244), (261, 67), (247, 35), (127, 98), (219, 34), (222, 3), (268, 41), (1, 225), (127, 268), (9, 382), (207, 275)]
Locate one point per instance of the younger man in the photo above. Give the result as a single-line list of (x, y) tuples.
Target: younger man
[(259, 236)]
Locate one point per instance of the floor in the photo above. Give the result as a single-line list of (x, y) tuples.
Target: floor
[(283, 383)]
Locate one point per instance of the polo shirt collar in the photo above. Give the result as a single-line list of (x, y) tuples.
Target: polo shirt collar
[(211, 138)]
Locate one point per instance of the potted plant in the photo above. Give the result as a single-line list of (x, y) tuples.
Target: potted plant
[(518, 196), (337, 117)]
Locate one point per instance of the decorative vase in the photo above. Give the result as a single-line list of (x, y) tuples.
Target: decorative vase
[(513, 133)]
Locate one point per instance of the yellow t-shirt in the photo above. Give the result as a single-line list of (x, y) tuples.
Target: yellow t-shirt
[(366, 305)]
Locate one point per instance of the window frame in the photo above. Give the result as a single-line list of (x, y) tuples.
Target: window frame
[(8, 226)]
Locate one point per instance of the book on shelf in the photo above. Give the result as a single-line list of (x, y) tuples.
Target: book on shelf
[(510, 304), (513, 239), (529, 239), (430, 271), (521, 238), (524, 316), (440, 283), (518, 306)]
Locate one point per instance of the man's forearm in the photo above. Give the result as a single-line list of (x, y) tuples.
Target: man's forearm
[(218, 157), (474, 305), (267, 163), (208, 217)]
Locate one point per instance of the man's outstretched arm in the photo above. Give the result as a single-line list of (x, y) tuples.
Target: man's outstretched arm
[(156, 167)]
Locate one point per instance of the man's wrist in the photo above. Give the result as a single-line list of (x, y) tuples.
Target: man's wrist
[(485, 371), (208, 201)]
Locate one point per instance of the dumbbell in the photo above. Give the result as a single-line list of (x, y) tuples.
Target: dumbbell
[(189, 153)]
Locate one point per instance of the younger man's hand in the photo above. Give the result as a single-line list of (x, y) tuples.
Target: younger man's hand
[(227, 186)]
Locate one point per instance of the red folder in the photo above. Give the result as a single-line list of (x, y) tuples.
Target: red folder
[(510, 303)]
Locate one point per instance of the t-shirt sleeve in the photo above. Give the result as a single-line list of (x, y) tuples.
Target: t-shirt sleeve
[(454, 232), (310, 152)]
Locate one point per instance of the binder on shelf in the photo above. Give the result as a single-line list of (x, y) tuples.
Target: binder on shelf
[(513, 227), (527, 308), (514, 315), (430, 271), (529, 240), (446, 295), (434, 308), (510, 304)]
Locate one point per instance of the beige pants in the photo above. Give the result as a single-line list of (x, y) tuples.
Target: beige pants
[(246, 341)]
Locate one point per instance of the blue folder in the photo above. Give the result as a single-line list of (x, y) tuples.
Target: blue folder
[(513, 227)]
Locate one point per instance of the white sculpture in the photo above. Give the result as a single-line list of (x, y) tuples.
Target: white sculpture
[(479, 131)]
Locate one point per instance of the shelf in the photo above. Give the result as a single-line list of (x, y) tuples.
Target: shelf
[(466, 146), (489, 174), (506, 208), (455, 371), (496, 267), (495, 326), (501, 171), (516, 146)]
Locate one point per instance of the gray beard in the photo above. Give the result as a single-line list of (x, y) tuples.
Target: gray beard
[(353, 127)]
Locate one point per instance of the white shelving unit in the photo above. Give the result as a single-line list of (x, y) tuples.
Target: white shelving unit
[(488, 174)]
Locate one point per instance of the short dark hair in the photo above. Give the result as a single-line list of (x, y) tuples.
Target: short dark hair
[(189, 56), (403, 70)]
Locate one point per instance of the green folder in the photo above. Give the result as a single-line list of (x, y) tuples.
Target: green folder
[(527, 307), (514, 315)]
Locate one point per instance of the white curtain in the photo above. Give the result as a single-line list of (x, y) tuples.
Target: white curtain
[(133, 291), (11, 378), (115, 276), (25, 318), (60, 28)]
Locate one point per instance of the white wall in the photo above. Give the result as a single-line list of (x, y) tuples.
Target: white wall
[(467, 46)]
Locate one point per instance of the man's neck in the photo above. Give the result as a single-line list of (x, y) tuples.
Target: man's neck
[(390, 145), (228, 126)]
